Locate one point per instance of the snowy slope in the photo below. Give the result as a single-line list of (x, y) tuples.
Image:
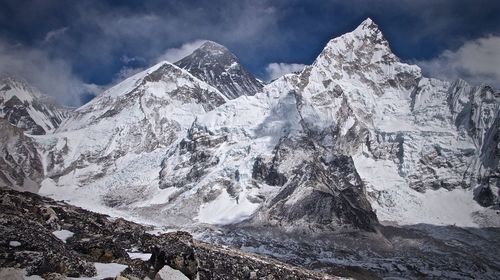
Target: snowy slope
[(113, 145), (217, 66), (27, 108)]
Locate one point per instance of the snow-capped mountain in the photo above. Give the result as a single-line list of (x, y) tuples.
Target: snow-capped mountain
[(356, 137), (360, 152), (283, 155), (27, 108), (217, 66), (119, 138)]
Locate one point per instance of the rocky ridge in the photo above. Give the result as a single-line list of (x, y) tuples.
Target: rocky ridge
[(30, 227)]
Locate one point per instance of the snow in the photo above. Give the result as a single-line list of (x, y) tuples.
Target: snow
[(63, 234), (14, 243), (395, 201), (226, 210), (139, 255)]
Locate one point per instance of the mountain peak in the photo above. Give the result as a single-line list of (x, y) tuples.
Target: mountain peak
[(368, 22), (368, 28), (366, 43), (211, 46), (18, 83), (216, 65), (25, 107)]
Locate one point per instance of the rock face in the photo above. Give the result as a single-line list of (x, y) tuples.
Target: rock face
[(28, 109), (21, 166), (475, 111), (28, 223), (217, 66)]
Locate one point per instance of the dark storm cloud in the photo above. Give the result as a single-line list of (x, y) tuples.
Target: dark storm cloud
[(98, 42)]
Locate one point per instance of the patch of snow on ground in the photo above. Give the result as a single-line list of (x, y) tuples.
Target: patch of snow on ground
[(63, 234), (139, 255), (14, 243)]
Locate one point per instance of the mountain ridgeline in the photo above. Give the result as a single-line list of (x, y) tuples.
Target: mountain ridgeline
[(357, 138), (359, 152)]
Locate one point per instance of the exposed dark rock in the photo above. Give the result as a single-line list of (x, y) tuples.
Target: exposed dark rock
[(27, 241), (217, 66), (319, 193)]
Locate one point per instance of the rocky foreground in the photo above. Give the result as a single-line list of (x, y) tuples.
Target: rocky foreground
[(54, 240)]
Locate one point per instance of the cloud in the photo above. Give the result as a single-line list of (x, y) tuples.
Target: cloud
[(175, 54), (54, 34), (124, 73), (275, 70), (52, 76), (476, 61), (134, 59)]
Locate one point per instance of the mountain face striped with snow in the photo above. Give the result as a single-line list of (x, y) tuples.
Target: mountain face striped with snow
[(28, 109), (217, 66), (130, 124), (356, 138), (21, 166), (24, 111)]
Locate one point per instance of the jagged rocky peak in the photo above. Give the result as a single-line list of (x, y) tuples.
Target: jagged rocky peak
[(27, 108), (217, 66), (362, 55), (366, 34)]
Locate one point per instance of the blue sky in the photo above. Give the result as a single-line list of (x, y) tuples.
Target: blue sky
[(73, 49)]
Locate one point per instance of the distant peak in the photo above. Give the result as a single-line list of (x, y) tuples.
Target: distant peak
[(212, 46), (367, 27), (368, 22), (16, 82)]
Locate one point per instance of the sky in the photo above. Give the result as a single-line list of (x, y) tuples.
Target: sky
[(73, 50)]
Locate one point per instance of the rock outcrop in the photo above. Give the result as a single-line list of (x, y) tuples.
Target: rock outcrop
[(30, 239)]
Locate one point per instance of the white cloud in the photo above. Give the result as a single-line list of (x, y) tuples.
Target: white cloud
[(52, 76), (276, 70), (476, 61), (175, 54), (54, 34)]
